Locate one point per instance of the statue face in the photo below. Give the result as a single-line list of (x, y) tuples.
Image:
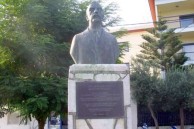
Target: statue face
[(94, 12)]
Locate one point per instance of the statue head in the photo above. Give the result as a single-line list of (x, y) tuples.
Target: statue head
[(94, 13)]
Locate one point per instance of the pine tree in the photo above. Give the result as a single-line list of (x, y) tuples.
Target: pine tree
[(163, 47)]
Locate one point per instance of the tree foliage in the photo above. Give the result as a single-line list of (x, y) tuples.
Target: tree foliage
[(163, 47), (123, 47), (40, 96), (177, 91), (35, 37), (172, 94), (38, 33), (162, 50), (145, 84)]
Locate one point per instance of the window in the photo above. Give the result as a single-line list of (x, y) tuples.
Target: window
[(186, 20), (189, 51)]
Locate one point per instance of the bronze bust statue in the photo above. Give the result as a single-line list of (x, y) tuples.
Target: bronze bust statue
[(94, 45)]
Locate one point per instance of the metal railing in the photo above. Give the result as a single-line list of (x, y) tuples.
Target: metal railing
[(180, 21), (165, 118)]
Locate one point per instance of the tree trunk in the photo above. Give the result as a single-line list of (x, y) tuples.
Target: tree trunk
[(181, 111), (41, 123), (153, 115)]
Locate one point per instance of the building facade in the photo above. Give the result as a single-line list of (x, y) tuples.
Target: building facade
[(180, 16)]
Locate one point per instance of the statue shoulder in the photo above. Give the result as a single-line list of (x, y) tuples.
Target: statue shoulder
[(81, 34), (110, 35)]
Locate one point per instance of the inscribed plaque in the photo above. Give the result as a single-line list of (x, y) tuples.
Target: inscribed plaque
[(99, 100)]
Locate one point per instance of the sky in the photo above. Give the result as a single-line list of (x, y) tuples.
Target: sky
[(133, 12)]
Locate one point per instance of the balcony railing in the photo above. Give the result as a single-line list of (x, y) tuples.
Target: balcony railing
[(164, 118), (185, 21)]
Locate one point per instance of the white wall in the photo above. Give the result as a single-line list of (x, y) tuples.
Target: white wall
[(5, 125), (134, 39), (158, 2)]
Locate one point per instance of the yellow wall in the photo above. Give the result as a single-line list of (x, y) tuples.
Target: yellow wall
[(134, 39), (173, 15), (173, 22), (187, 38), (177, 12)]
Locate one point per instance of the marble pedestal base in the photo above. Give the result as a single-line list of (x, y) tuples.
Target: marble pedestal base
[(98, 72)]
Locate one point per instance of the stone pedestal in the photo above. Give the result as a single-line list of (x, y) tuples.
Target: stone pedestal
[(99, 73)]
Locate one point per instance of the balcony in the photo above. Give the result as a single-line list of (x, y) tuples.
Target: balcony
[(185, 24), (160, 2), (178, 13), (174, 7), (182, 24), (180, 16)]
